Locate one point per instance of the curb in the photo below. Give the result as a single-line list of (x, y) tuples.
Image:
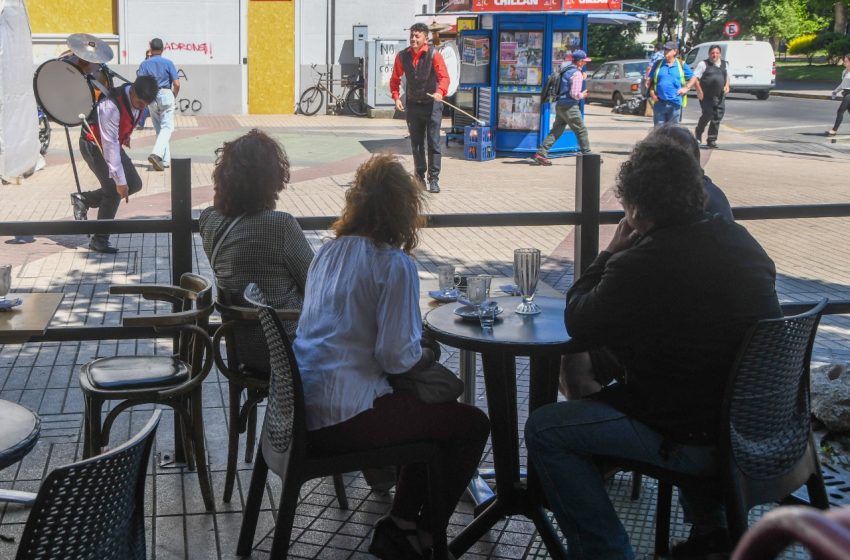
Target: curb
[(802, 95)]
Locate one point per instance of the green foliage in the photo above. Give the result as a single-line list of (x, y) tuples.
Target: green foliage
[(613, 41), (787, 18), (838, 48)]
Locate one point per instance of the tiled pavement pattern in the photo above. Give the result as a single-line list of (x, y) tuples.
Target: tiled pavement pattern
[(811, 255)]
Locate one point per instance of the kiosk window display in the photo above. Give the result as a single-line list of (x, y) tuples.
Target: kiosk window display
[(520, 50)]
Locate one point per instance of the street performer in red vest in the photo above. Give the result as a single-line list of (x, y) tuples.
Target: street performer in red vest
[(427, 82), (102, 147)]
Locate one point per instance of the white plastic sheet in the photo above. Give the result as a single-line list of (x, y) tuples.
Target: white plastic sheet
[(18, 113)]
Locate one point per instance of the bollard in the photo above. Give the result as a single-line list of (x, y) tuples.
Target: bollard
[(181, 218), (587, 205)]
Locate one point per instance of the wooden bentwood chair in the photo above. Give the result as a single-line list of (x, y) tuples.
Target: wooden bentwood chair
[(766, 449), (93, 508), (283, 448), (250, 382), (170, 380)]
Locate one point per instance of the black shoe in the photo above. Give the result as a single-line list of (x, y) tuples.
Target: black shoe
[(81, 209), (714, 545), (434, 186), (699, 138), (712, 143), (156, 162), (101, 245), (389, 542)]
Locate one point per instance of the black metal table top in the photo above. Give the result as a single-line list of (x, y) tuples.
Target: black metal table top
[(521, 335)]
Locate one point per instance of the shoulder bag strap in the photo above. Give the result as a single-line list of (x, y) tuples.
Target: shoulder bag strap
[(217, 245)]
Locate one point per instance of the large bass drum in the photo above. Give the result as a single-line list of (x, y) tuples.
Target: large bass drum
[(63, 92), (452, 59)]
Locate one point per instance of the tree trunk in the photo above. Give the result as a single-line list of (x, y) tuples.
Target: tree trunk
[(840, 17)]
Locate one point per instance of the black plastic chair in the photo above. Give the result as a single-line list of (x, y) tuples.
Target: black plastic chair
[(93, 509), (283, 448), (253, 383), (174, 380), (766, 449)]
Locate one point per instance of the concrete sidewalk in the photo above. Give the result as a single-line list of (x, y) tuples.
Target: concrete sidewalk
[(806, 90), (812, 259)]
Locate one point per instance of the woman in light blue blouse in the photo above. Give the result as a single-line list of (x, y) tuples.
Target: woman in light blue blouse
[(361, 324)]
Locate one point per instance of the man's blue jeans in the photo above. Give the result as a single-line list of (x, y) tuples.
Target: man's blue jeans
[(666, 111), (561, 438), (162, 114)]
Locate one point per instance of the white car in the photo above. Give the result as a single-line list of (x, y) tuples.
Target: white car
[(751, 65)]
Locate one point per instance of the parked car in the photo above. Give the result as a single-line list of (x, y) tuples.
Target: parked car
[(616, 81), (751, 65)]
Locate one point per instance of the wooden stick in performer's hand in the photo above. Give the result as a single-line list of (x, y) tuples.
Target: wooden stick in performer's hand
[(456, 108)]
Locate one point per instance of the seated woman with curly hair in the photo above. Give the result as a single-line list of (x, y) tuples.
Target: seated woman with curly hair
[(247, 240), (360, 326)]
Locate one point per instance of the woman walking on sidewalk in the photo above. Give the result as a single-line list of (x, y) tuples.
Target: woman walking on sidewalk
[(844, 89)]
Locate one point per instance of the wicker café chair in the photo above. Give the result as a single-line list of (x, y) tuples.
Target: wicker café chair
[(283, 448), (173, 380), (247, 381), (766, 450), (93, 509)]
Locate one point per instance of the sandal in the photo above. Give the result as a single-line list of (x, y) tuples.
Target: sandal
[(389, 541)]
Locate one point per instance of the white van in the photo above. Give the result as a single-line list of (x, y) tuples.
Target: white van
[(751, 65)]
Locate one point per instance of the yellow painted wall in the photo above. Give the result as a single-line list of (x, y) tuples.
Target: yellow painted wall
[(271, 57), (71, 16)]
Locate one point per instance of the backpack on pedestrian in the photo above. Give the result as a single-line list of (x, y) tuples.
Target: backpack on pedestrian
[(552, 90)]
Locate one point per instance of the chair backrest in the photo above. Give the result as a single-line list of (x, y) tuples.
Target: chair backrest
[(766, 412), (284, 432), (93, 509)]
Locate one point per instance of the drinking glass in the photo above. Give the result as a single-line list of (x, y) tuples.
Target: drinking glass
[(478, 290), (526, 274), (487, 314), (5, 280), (446, 277)]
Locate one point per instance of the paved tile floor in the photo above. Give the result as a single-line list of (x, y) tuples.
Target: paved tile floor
[(811, 257)]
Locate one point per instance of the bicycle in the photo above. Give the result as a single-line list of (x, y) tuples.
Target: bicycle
[(351, 97)]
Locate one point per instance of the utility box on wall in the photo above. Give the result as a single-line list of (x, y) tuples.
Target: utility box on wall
[(360, 34), (380, 57)]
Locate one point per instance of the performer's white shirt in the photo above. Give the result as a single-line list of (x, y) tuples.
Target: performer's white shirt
[(108, 118)]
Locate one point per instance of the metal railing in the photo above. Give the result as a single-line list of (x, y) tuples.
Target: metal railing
[(586, 218)]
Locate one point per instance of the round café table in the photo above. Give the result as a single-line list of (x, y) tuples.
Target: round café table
[(19, 431), (543, 338)]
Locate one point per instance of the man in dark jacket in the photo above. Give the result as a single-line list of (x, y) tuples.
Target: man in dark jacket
[(712, 87), (427, 83), (664, 308)]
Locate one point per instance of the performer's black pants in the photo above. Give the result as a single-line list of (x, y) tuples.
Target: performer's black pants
[(713, 109), (423, 122), (845, 106), (106, 199)]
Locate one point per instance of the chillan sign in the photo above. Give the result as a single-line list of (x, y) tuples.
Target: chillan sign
[(593, 5), (516, 5)]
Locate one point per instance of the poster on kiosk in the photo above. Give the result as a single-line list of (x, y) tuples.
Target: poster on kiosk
[(509, 58)]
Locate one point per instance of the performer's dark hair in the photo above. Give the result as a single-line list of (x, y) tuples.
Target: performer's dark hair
[(421, 27), (146, 88), (712, 47)]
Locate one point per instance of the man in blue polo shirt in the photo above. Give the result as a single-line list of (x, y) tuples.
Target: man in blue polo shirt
[(161, 110), (669, 82)]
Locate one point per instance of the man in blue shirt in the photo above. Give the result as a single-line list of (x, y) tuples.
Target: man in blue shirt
[(669, 82), (161, 110)]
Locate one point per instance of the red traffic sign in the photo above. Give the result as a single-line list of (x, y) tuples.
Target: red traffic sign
[(732, 28)]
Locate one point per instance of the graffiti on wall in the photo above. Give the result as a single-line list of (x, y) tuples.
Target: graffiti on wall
[(185, 104)]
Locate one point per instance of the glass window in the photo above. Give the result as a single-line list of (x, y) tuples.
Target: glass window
[(475, 60), (519, 111), (603, 70), (521, 58), (563, 43), (691, 58), (613, 72), (634, 69)]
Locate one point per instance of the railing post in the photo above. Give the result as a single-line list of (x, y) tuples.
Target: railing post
[(181, 216), (587, 204)]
